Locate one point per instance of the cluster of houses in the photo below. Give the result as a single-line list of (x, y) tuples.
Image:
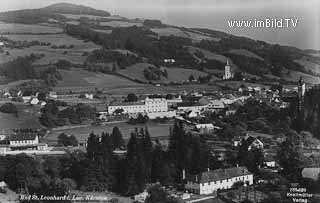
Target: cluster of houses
[(176, 106), (32, 99)]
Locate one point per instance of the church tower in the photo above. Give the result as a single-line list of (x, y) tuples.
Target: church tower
[(301, 92), (227, 71)]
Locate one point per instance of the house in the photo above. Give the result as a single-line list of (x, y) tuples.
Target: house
[(88, 96), (205, 128), (169, 60), (312, 173), (141, 197), (34, 101), (251, 142), (52, 95), (26, 99), (269, 161), (191, 106), (210, 181)]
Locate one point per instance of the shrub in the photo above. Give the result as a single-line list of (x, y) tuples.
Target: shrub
[(9, 108)]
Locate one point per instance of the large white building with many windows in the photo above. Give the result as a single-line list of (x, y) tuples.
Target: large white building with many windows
[(210, 181), (154, 107)]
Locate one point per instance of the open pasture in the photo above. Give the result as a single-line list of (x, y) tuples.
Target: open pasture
[(16, 28)]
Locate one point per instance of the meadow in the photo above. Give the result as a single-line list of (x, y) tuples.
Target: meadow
[(79, 78), (27, 118), (174, 74), (15, 28), (74, 54)]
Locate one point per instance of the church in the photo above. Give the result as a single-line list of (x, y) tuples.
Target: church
[(227, 72)]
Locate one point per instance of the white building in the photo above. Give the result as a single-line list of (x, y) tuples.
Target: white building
[(23, 143), (188, 107), (153, 107), (53, 95), (227, 72), (34, 101), (210, 181)]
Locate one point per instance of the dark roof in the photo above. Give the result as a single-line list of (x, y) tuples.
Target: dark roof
[(219, 174), (23, 136)]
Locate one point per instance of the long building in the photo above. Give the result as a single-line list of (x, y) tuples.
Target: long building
[(153, 107), (210, 181)]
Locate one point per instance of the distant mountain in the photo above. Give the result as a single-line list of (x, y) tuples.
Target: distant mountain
[(67, 8), (54, 11)]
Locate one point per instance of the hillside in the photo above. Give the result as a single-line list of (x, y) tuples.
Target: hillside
[(195, 51), (74, 9), (54, 11)]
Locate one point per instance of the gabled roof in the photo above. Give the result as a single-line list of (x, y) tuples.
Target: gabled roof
[(23, 136), (219, 174)]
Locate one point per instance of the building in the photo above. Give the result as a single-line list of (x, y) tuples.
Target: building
[(23, 142), (34, 101), (210, 181), (53, 95), (312, 173), (227, 72), (191, 106), (152, 107), (141, 197)]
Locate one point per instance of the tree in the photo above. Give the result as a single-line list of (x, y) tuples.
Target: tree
[(9, 108), (158, 195), (191, 78), (67, 140), (135, 172), (131, 98), (92, 146), (291, 156), (116, 138)]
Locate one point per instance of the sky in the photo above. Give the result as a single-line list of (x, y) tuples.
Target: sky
[(213, 14)]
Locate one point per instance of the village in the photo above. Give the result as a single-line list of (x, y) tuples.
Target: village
[(201, 114)]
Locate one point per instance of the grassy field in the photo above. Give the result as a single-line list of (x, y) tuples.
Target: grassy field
[(116, 23), (27, 118), (246, 53), (174, 74), (15, 28), (82, 133), (78, 78), (311, 66), (195, 36), (210, 55), (295, 76), (74, 54)]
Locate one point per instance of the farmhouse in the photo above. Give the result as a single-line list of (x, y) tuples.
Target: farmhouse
[(210, 181)]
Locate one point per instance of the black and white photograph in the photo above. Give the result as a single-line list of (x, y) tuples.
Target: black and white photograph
[(159, 101)]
